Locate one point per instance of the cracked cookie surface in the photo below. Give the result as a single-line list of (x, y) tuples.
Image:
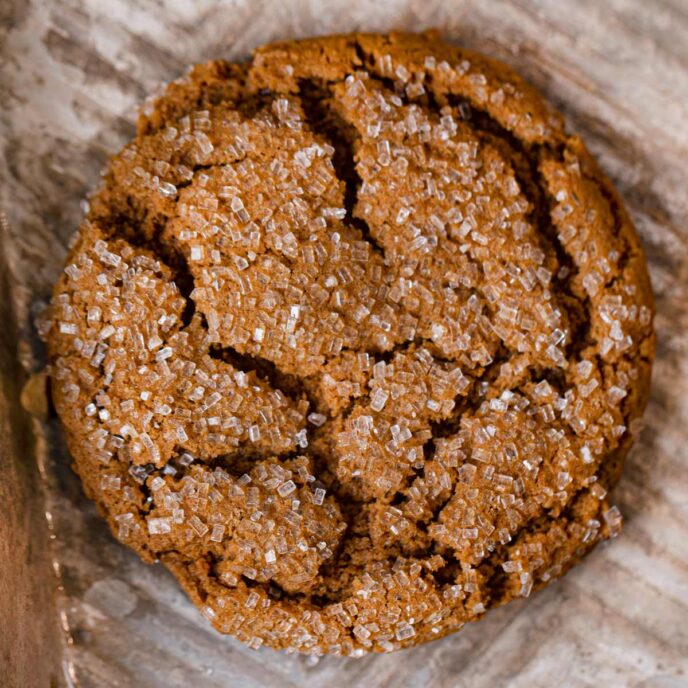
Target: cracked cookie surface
[(354, 339)]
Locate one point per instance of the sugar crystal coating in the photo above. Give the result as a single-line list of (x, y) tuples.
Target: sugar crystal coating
[(353, 338)]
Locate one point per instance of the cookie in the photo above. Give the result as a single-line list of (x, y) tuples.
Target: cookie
[(354, 339)]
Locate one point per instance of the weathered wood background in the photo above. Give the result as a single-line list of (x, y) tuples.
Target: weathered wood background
[(72, 74)]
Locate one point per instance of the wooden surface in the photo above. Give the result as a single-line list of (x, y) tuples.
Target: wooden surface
[(30, 643), (72, 74)]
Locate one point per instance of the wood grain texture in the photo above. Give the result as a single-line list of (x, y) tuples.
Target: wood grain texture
[(73, 72), (30, 642)]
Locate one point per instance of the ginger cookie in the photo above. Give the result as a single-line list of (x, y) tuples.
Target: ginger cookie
[(354, 339)]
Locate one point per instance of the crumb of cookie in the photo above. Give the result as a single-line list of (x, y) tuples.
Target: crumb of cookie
[(34, 395), (353, 338)]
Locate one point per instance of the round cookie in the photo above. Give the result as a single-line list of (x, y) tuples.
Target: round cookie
[(354, 338)]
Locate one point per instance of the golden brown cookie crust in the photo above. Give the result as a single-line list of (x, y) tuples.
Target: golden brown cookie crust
[(354, 339)]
